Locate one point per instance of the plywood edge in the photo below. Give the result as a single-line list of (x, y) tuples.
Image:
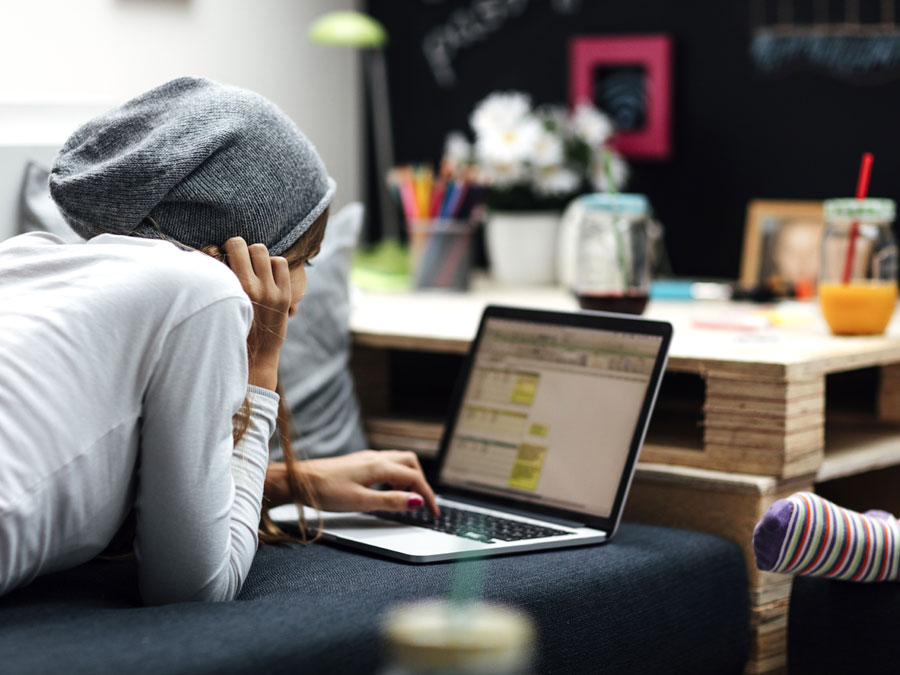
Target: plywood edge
[(658, 453), (668, 474), (839, 362), (425, 429), (764, 440), (798, 368), (423, 448), (411, 342), (770, 613), (851, 451), (770, 589), (727, 369)]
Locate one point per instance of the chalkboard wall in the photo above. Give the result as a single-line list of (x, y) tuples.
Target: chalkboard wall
[(738, 133)]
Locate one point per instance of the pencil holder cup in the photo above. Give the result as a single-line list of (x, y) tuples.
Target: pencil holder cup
[(441, 253)]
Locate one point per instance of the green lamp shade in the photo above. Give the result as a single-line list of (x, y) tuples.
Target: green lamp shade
[(348, 29)]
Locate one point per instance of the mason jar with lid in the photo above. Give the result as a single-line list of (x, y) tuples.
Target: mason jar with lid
[(858, 273)]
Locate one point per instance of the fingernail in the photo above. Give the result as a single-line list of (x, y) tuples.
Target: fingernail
[(414, 502)]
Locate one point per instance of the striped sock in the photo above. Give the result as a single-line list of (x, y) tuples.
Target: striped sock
[(805, 534)]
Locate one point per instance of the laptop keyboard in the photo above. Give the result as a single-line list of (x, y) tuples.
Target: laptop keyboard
[(471, 524)]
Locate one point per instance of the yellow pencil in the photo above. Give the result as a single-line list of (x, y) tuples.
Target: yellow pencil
[(424, 181)]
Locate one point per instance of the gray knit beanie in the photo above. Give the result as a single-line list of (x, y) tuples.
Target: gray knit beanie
[(204, 161)]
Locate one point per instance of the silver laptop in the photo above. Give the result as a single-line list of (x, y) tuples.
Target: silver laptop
[(545, 426)]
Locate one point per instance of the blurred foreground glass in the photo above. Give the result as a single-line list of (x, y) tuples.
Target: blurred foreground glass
[(440, 637), (608, 239), (858, 278), (441, 253)]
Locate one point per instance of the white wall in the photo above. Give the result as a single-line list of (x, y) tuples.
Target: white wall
[(62, 61)]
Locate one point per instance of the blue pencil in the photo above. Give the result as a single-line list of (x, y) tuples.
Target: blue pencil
[(451, 202)]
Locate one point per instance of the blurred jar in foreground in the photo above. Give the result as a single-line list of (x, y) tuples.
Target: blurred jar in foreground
[(858, 279), (605, 247), (439, 637)]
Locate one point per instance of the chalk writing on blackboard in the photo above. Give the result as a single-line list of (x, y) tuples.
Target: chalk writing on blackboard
[(838, 43), (468, 25)]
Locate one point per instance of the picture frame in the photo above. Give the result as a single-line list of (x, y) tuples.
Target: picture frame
[(781, 242), (630, 78)]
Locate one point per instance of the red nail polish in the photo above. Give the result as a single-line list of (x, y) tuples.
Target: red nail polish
[(414, 502)]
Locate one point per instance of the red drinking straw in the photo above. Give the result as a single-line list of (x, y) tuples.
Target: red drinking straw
[(862, 189)]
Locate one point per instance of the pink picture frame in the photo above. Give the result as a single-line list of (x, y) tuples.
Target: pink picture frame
[(651, 53)]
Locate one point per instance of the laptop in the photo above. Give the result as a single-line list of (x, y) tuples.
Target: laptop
[(540, 444)]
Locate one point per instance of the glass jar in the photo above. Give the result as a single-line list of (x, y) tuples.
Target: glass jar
[(858, 275), (440, 637), (605, 247)]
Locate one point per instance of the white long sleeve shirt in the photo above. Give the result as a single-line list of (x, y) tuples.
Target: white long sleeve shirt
[(122, 362)]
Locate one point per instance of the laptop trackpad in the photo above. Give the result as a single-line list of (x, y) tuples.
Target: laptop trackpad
[(383, 533)]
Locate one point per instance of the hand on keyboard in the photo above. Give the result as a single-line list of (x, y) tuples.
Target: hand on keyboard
[(345, 483), (473, 525)]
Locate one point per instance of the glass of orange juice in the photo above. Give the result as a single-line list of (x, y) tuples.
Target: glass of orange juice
[(858, 278)]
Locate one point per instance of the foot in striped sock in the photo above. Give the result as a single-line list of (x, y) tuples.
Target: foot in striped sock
[(805, 534)]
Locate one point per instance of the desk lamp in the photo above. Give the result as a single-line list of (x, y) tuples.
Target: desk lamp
[(355, 29)]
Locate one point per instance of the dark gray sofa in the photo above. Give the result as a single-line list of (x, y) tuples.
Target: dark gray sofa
[(843, 627), (654, 600)]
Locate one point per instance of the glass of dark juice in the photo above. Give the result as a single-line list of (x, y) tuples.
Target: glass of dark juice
[(624, 303), (611, 240)]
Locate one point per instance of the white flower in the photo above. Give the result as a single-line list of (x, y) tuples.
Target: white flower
[(499, 112), (510, 145), (617, 168), (457, 148), (502, 175), (548, 149), (554, 180), (591, 124)]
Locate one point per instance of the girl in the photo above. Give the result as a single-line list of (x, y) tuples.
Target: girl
[(137, 373)]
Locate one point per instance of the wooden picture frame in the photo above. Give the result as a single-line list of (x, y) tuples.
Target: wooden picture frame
[(647, 59), (766, 251)]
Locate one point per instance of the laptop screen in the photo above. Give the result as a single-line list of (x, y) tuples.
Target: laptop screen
[(549, 412)]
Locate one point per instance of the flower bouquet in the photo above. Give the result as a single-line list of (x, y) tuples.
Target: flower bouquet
[(537, 159)]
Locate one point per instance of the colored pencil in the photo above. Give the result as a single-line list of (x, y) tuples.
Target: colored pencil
[(437, 197)]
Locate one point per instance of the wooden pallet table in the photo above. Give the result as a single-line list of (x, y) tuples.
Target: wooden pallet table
[(748, 418)]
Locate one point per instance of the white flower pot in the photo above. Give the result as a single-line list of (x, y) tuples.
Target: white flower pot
[(521, 247)]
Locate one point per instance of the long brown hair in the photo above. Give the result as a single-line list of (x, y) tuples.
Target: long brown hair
[(299, 486)]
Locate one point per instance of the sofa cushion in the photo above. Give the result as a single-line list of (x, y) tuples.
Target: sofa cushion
[(653, 600)]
